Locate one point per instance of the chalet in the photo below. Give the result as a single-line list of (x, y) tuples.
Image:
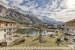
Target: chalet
[(56, 26), (7, 30)]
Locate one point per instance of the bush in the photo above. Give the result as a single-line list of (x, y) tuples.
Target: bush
[(58, 41), (18, 41), (51, 35), (28, 36), (65, 39), (23, 40), (56, 31)]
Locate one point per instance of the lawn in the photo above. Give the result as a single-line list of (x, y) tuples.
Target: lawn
[(50, 42)]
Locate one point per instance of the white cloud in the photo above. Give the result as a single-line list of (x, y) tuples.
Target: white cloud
[(4, 1), (65, 14), (62, 11)]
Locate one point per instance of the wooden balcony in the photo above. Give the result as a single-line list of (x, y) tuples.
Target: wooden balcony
[(6, 27), (3, 40), (11, 31)]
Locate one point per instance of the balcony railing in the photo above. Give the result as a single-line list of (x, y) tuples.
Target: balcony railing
[(5, 27), (3, 40), (11, 31)]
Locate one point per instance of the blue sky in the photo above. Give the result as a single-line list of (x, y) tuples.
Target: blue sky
[(61, 10)]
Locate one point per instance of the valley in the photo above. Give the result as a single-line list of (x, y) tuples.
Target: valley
[(34, 30)]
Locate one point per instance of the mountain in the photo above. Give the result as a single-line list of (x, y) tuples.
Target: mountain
[(3, 11), (49, 20), (45, 19), (60, 22), (22, 16), (17, 16)]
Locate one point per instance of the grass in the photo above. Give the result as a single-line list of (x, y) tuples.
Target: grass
[(50, 42)]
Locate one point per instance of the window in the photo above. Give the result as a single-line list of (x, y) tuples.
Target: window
[(5, 36), (4, 30), (10, 29), (6, 24), (11, 24)]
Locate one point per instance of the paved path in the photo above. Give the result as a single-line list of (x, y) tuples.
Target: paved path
[(72, 46)]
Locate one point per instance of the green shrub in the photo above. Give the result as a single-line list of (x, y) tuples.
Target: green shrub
[(51, 35), (23, 40), (28, 36), (65, 39), (58, 41), (18, 41)]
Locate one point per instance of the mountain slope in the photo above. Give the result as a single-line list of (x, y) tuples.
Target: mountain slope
[(17, 16), (49, 20), (3, 11), (23, 17)]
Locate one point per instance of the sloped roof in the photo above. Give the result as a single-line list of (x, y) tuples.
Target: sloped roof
[(70, 21), (6, 20)]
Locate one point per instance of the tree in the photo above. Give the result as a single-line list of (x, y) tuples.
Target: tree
[(41, 39), (65, 39), (58, 41), (52, 36), (58, 33)]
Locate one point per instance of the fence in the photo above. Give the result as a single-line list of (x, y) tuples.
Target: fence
[(36, 48)]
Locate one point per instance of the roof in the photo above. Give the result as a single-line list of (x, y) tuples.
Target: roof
[(6, 20), (71, 21)]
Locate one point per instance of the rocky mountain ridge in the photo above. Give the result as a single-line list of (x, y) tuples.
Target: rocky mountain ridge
[(28, 17)]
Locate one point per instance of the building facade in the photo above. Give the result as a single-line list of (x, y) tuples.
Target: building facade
[(7, 30), (71, 24), (70, 29)]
